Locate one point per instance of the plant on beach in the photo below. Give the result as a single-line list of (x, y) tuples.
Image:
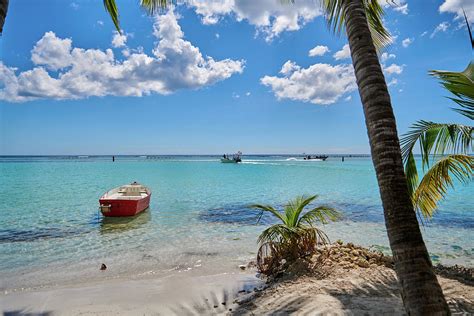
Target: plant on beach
[(445, 147), (295, 235)]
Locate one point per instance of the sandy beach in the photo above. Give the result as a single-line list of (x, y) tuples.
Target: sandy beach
[(339, 291), (361, 291), (145, 296)]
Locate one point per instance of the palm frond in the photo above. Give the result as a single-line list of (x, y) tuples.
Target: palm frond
[(322, 213), (150, 6), (411, 173), (335, 16), (155, 6), (468, 29), (435, 183), (277, 232), (461, 84), (294, 208), (437, 139), (111, 8), (270, 209)]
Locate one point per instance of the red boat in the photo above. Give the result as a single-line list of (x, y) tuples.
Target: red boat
[(126, 200)]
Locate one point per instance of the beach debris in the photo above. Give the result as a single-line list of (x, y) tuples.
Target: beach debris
[(326, 260), (456, 272), (242, 267), (252, 264), (103, 267)]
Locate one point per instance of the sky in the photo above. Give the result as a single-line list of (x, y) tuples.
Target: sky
[(209, 77)]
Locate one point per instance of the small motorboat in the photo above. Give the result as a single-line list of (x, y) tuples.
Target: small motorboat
[(126, 200), (236, 158), (317, 158)]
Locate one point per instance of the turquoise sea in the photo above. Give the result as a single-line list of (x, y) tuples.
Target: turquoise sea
[(199, 221)]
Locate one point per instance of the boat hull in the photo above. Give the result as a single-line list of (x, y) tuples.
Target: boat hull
[(119, 203), (225, 160), (118, 208)]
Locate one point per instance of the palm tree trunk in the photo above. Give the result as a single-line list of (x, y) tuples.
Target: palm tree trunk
[(3, 13), (421, 292)]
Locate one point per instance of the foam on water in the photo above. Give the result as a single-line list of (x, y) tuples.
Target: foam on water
[(199, 220)]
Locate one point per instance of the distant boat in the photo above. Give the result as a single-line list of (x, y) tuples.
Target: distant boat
[(317, 158), (126, 200), (236, 158)]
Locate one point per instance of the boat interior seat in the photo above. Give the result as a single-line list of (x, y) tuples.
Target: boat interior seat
[(131, 191)]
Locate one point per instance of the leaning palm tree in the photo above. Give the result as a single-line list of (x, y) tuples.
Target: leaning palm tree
[(445, 148), (3, 13), (362, 22), (295, 235)]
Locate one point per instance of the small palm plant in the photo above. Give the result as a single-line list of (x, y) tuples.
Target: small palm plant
[(295, 236)]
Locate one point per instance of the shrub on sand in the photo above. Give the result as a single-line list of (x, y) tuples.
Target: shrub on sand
[(295, 236)]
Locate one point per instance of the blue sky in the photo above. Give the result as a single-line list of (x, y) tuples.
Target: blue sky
[(210, 77)]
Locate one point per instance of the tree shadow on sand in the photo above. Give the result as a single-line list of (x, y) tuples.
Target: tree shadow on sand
[(26, 313), (377, 293)]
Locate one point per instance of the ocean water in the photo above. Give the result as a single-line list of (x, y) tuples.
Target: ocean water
[(199, 221)]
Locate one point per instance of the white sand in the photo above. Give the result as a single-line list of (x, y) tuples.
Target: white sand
[(165, 296), (360, 291)]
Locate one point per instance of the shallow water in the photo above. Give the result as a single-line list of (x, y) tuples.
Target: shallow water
[(199, 220)]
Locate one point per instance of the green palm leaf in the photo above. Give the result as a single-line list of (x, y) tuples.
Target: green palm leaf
[(461, 84), (294, 223), (111, 8), (322, 213), (150, 6), (435, 183), (436, 138), (335, 17)]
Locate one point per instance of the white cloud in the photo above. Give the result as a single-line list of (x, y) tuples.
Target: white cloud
[(442, 27), (387, 56), (348, 98), (393, 69), (270, 17), (318, 51), (424, 33), (51, 51), (403, 9), (100, 22), (397, 5), (217, 35), (318, 84), (119, 40), (457, 6), (344, 53), (74, 5), (248, 93), (392, 82), (407, 42), (175, 64), (289, 67)]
